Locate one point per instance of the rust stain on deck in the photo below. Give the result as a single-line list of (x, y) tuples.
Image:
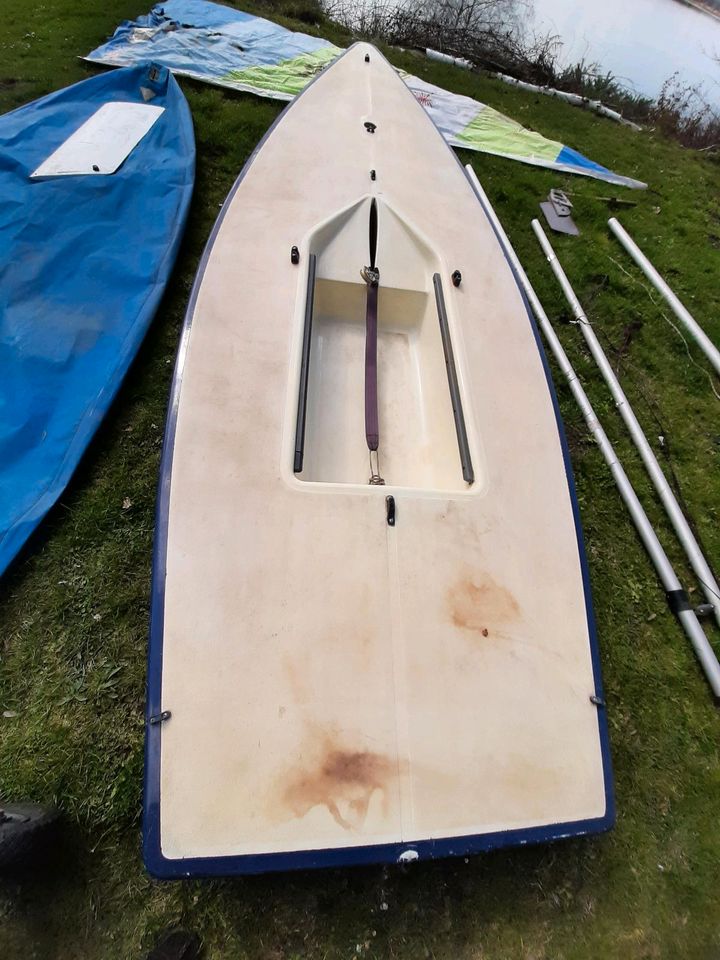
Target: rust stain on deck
[(343, 781), (478, 603)]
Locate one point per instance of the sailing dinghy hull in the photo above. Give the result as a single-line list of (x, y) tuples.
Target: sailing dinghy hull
[(351, 672)]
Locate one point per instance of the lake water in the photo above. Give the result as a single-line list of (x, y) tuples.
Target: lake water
[(642, 42)]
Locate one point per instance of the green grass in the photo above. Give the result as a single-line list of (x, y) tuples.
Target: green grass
[(74, 611)]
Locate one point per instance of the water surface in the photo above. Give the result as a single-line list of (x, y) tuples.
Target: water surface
[(642, 42)]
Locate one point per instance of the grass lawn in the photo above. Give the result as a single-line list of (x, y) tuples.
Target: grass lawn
[(74, 610)]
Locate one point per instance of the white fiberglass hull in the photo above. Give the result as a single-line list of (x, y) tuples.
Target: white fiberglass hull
[(346, 684)]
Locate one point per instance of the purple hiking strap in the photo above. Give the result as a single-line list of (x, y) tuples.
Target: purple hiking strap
[(372, 429)]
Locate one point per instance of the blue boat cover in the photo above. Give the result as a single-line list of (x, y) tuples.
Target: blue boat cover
[(84, 260)]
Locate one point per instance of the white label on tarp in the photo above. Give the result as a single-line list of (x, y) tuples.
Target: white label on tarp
[(103, 142)]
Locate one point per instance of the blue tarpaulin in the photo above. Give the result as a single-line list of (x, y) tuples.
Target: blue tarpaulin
[(84, 258)]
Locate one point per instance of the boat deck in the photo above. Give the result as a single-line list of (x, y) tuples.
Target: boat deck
[(343, 689)]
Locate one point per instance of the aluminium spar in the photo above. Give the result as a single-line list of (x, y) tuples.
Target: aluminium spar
[(680, 311), (680, 524), (677, 597)]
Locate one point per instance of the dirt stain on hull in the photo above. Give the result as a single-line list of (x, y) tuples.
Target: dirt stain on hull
[(344, 781), (479, 603)]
